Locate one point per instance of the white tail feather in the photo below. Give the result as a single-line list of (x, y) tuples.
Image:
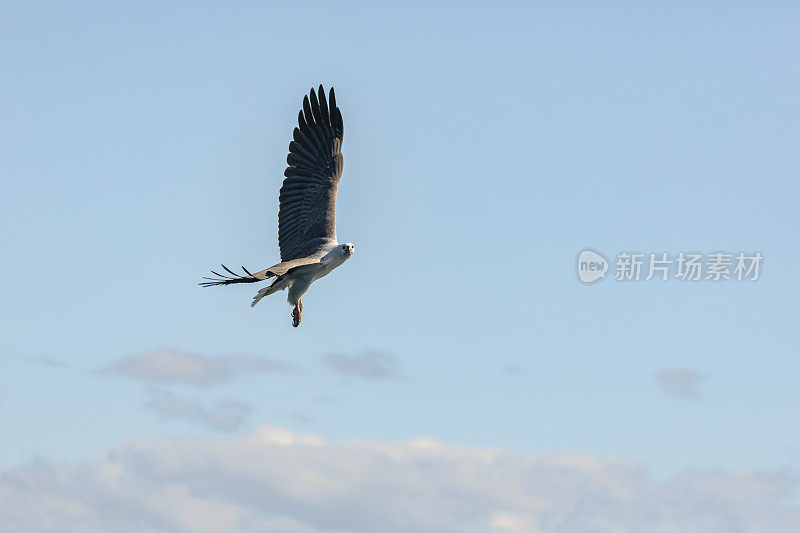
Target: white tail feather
[(277, 285)]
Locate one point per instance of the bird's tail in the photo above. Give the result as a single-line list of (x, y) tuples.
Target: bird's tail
[(278, 285)]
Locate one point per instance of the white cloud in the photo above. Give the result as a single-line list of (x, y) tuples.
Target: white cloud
[(226, 415), (366, 365), (679, 382), (175, 366), (276, 480)]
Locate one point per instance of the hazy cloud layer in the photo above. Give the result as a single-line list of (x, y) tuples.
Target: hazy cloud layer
[(366, 365), (226, 415), (275, 480), (679, 382), (175, 366), (52, 363)]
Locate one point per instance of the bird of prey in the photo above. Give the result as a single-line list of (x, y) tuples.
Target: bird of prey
[(307, 207)]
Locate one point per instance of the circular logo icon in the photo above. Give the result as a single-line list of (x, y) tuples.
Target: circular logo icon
[(591, 266)]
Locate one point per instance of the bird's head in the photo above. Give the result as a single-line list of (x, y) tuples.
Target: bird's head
[(347, 249)]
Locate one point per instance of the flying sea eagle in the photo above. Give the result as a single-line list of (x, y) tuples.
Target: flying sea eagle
[(307, 212)]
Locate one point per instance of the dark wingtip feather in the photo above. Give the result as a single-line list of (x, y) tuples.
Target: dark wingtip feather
[(307, 111), (227, 280), (323, 107), (300, 139), (337, 123), (315, 107)]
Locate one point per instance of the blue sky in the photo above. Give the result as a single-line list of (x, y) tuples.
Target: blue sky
[(485, 147)]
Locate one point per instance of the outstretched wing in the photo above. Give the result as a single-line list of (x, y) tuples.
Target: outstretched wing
[(307, 214), (236, 278), (280, 269)]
